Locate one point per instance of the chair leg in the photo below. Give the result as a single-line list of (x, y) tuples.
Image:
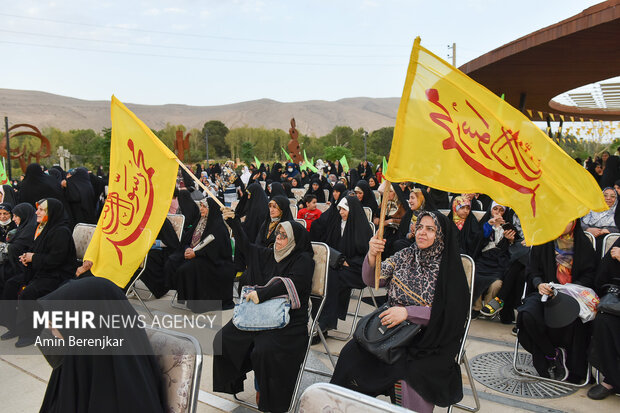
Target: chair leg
[(175, 304), (355, 316), (143, 303), (474, 392)]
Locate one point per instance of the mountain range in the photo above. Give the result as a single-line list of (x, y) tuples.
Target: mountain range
[(313, 117)]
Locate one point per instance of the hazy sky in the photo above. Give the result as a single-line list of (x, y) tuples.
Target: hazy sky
[(212, 52)]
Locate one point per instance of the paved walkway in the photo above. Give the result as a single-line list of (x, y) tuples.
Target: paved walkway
[(24, 378)]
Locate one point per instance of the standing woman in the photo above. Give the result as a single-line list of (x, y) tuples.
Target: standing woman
[(49, 263), (204, 273), (432, 269), (7, 195), (274, 355), (254, 206), (80, 196), (39, 185)]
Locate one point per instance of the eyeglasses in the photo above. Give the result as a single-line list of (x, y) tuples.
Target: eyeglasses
[(282, 235)]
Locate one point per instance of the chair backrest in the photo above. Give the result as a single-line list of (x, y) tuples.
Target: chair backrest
[(298, 192), (263, 184), (301, 221), (293, 210), (377, 196), (321, 267), (233, 204), (82, 234), (180, 360), (321, 206), (591, 238), (178, 222), (292, 201), (368, 213), (478, 214), (372, 228), (326, 192), (326, 397), (444, 211), (608, 241)]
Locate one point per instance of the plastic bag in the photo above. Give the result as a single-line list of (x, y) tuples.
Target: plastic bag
[(586, 297)]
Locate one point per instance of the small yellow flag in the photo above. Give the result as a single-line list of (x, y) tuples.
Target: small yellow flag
[(142, 177), (455, 135)]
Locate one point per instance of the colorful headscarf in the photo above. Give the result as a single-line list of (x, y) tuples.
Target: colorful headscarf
[(458, 203), (564, 251)]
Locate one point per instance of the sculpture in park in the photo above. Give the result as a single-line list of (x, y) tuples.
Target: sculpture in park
[(23, 155), (293, 144), (181, 145)]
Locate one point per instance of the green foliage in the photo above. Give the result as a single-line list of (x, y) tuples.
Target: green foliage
[(266, 142), (380, 141), (247, 152), (217, 138), (332, 153)]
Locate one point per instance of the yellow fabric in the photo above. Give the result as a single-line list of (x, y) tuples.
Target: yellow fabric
[(142, 177), (455, 135)]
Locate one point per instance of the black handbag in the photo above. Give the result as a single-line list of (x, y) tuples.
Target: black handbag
[(610, 302), (387, 344)]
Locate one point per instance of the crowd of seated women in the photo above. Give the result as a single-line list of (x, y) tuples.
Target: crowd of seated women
[(420, 257)]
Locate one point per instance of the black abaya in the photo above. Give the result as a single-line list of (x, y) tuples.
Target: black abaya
[(80, 196)]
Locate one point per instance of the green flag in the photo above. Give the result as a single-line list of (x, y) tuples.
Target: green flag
[(257, 162), (308, 164), (344, 163), (3, 178), (287, 155), (384, 168)]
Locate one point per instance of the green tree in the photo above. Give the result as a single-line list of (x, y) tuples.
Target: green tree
[(331, 153), (380, 141), (247, 152), (217, 138)]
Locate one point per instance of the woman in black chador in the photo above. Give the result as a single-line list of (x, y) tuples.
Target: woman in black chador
[(154, 275), (279, 211), (204, 269), (558, 353), (430, 268), (26, 220), (347, 237), (254, 207), (274, 355), (329, 218), (39, 185), (367, 198), (80, 196), (49, 263), (126, 382)]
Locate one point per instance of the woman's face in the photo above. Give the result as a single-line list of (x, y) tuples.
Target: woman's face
[(463, 212), (41, 213), (359, 194), (204, 210), (610, 197), (426, 231), (315, 186), (336, 195), (5, 215), (294, 183), (17, 220), (344, 213), (372, 182), (281, 239), (413, 201), (497, 211), (274, 210)]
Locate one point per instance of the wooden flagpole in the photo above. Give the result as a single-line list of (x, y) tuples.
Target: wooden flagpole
[(200, 183), (386, 192)]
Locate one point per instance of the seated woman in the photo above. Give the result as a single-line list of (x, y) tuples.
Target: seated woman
[(470, 231), (204, 269), (557, 353), (432, 269), (605, 344), (154, 275), (494, 257), (406, 229), (50, 262), (600, 224), (348, 241), (396, 208), (329, 218), (6, 221), (274, 355), (367, 198), (26, 221), (254, 206), (279, 211), (316, 190), (126, 382)]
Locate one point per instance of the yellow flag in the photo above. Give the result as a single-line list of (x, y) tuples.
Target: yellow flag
[(455, 135), (142, 177)]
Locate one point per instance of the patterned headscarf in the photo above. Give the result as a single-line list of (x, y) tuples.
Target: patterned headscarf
[(458, 203), (416, 268), (564, 251)]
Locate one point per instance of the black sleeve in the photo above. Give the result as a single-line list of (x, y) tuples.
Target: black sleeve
[(56, 252), (534, 270)]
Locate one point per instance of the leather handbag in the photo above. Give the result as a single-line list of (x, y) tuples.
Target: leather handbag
[(387, 344), (268, 315), (610, 302)]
